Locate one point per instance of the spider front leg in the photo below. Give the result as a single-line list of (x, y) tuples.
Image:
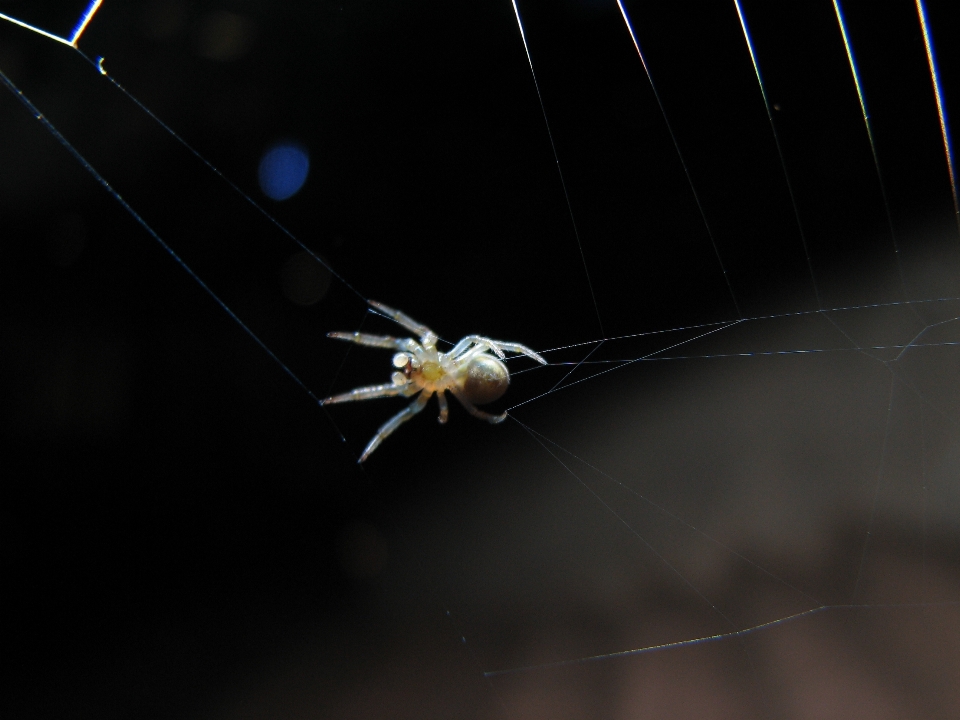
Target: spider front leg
[(380, 341), (401, 318), (473, 342), (396, 421), (520, 350)]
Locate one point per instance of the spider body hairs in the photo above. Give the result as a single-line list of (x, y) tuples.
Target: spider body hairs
[(469, 372)]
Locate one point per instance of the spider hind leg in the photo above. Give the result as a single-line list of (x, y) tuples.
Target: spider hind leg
[(475, 411), (444, 408), (393, 423)]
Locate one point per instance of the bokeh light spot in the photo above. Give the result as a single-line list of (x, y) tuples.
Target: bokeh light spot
[(224, 36), (283, 170), (304, 280)]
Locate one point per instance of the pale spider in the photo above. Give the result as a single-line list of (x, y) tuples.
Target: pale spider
[(472, 374)]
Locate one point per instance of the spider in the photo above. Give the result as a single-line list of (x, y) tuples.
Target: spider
[(469, 371)]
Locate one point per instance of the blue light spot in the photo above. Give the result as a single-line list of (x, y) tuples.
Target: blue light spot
[(283, 170)]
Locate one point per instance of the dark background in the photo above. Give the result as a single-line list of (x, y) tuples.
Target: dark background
[(174, 507)]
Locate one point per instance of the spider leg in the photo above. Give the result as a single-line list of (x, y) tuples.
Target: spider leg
[(472, 409), (396, 421), (466, 357), (418, 329), (366, 393), (381, 341), (472, 344), (520, 350), (486, 343), (444, 410)]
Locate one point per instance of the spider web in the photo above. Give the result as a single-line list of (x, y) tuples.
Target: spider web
[(758, 448)]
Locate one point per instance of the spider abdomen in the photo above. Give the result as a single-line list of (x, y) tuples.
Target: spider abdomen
[(486, 379)]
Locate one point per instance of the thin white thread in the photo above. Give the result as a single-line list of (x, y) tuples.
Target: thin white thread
[(714, 638)]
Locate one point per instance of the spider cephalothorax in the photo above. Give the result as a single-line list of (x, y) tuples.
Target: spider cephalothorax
[(468, 371)]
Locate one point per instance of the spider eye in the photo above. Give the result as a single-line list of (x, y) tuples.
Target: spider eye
[(400, 360), (399, 378)]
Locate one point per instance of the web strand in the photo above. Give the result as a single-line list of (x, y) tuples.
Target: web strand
[(85, 164), (98, 65), (664, 511), (877, 488), (39, 31), (868, 125), (216, 171), (621, 362), (754, 318), (556, 157), (629, 362), (84, 21), (941, 105), (776, 140), (659, 355), (82, 24), (713, 638), (683, 163), (632, 530)]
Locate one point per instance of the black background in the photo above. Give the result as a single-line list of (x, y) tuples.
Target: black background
[(174, 506)]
